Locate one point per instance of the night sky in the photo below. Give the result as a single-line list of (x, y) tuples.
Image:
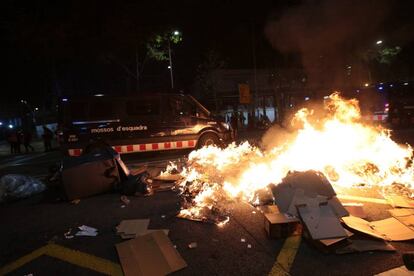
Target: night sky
[(56, 48)]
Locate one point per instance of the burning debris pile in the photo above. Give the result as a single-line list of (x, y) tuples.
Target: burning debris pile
[(338, 145)]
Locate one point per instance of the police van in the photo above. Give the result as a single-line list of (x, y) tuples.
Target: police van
[(148, 122)]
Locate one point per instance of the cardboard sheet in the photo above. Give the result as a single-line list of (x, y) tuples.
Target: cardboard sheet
[(133, 226), (339, 210), (330, 242), (398, 271), (133, 236), (300, 198), (149, 255), (405, 216), (299, 187), (320, 221), (389, 229), (279, 225), (129, 229), (365, 245), (276, 218), (355, 209), (399, 201)]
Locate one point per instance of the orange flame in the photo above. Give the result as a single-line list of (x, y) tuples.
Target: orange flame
[(347, 151)]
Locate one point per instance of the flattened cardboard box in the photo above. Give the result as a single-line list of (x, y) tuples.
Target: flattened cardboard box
[(405, 216), (129, 229), (149, 255), (389, 229), (321, 221)]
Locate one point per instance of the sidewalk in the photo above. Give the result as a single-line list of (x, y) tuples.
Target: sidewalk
[(37, 144)]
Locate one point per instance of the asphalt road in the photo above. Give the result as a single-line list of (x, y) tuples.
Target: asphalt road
[(30, 224)]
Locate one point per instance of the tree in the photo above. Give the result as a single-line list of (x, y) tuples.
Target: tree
[(375, 57), (159, 45)]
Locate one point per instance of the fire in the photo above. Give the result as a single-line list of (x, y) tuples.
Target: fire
[(339, 145)]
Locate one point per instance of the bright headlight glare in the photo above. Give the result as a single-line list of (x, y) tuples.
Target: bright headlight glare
[(225, 125)]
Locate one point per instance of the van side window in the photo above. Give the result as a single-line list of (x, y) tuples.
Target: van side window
[(150, 106), (101, 110), (77, 111), (179, 106)]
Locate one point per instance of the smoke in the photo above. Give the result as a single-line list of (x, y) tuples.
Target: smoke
[(326, 34)]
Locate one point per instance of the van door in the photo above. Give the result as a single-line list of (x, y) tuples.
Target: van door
[(180, 117), (143, 118)]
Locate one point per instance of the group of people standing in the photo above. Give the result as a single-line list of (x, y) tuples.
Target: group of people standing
[(237, 121), (19, 137)]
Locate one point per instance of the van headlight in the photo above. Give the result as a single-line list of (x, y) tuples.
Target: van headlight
[(225, 125)]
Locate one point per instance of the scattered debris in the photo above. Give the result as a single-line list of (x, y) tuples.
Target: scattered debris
[(123, 206), (242, 240), (138, 185), (75, 201), (163, 216), (249, 245), (151, 254), (68, 234), (192, 245), (87, 231), (124, 199), (138, 170), (16, 186), (308, 199)]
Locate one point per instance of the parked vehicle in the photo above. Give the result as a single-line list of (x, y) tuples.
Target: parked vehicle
[(147, 122)]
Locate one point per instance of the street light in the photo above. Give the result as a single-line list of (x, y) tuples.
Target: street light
[(174, 33), (379, 42)]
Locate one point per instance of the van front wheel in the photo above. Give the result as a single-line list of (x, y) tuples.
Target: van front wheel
[(208, 139)]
